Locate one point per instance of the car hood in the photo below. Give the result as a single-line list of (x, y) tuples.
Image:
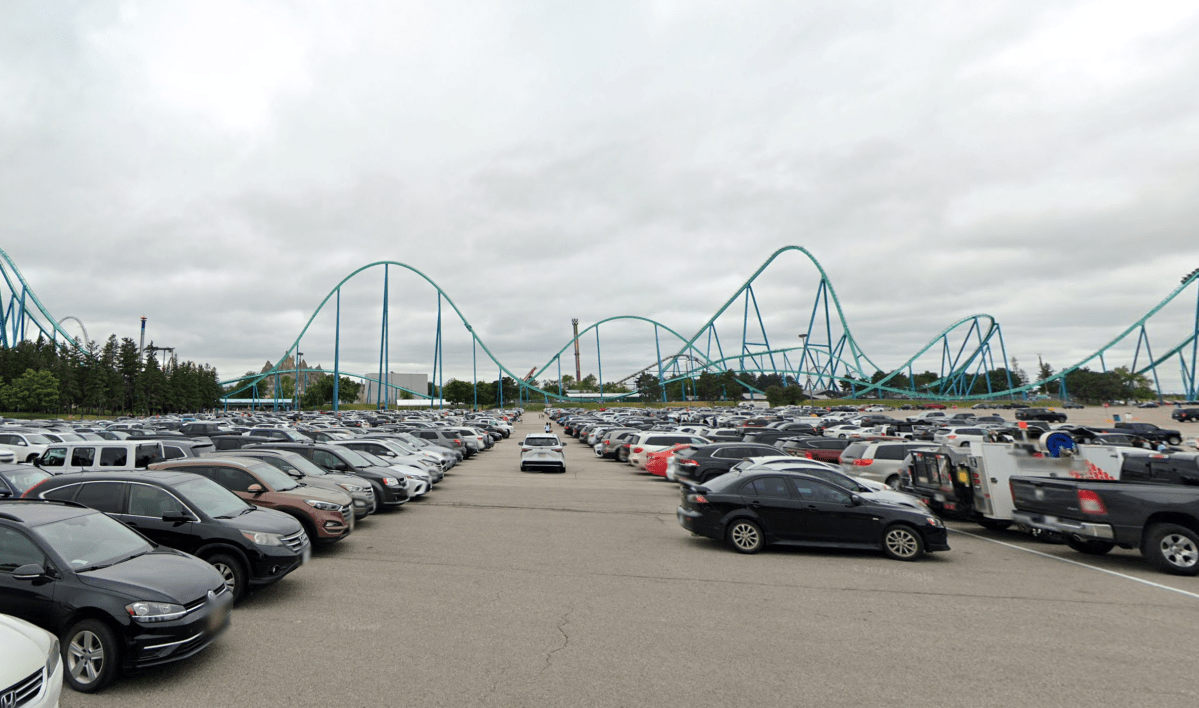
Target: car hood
[(344, 479), (334, 496), (163, 575), (893, 499), (24, 649), (265, 521)]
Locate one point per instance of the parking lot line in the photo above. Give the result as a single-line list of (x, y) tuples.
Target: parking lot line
[(1084, 565)]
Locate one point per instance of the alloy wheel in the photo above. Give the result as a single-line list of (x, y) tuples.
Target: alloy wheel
[(902, 543), (1179, 550), (85, 657)]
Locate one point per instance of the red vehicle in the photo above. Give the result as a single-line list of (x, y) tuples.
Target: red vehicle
[(933, 406), (655, 462)]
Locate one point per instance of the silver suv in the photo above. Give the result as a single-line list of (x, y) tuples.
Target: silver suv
[(879, 460)]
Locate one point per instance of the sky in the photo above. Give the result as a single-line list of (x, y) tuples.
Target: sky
[(220, 167)]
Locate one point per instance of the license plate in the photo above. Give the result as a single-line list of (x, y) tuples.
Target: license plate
[(219, 617), (306, 555)]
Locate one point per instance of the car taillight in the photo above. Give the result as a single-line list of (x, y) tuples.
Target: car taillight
[(526, 449), (697, 499), (606, 442), (1090, 503), (808, 454), (862, 463), (457, 441), (638, 449), (689, 462)]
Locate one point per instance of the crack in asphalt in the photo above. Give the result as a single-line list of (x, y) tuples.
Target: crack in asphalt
[(562, 622), (518, 507)]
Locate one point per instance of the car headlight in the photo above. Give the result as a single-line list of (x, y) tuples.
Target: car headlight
[(354, 488), (933, 521), (323, 505), (147, 612), (263, 539), (55, 657), (391, 482)]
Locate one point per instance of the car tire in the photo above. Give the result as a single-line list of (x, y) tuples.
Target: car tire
[(1089, 546), (893, 482), (524, 469), (902, 542), (91, 656), (745, 536), (1173, 549), (232, 572), (994, 524), (1174, 440)]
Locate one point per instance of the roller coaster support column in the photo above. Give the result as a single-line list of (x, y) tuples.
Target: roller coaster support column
[(599, 360), (474, 366), (380, 401), (559, 358), (337, 354), (501, 388), (658, 348)]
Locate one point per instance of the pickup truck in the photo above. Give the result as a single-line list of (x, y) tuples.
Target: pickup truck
[(1149, 431), (1040, 414), (1152, 507)]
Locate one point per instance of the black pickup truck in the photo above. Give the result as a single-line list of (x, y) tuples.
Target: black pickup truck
[(1185, 415), (1041, 414), (1153, 507), (1149, 431)]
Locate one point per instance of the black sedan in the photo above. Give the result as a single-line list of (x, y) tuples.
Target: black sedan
[(113, 598), (15, 480), (752, 510)]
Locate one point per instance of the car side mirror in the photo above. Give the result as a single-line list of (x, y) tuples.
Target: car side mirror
[(31, 571), (854, 500), (4, 494), (255, 489), (177, 517)]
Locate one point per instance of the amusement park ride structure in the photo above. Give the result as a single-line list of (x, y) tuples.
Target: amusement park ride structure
[(827, 357)]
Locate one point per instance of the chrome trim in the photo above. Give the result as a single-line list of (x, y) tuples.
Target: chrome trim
[(172, 644)]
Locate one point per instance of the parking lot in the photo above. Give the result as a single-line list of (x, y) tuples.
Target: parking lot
[(505, 588)]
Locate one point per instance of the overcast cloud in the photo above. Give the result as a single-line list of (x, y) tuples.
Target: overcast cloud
[(219, 167)]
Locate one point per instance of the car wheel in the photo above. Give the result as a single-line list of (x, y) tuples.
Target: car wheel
[(893, 481), (1173, 549), (30, 459), (232, 573), (902, 543), (1088, 546), (1174, 440), (994, 524), (562, 469), (90, 655), (745, 536)]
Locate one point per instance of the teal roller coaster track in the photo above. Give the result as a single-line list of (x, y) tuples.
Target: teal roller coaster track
[(828, 357)]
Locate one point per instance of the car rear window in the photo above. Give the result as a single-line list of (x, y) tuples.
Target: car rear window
[(667, 440), (889, 452), (855, 450)]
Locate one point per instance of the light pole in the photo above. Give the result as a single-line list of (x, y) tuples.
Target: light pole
[(803, 357)]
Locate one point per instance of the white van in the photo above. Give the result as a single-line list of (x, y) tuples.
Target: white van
[(100, 456)]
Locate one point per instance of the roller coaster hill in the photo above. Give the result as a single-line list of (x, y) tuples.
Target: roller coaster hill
[(965, 361)]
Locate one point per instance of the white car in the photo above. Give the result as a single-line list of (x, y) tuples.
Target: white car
[(656, 441), (30, 665), (25, 446), (542, 450), (959, 436)]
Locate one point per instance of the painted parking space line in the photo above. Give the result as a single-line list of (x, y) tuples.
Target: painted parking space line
[(1150, 583)]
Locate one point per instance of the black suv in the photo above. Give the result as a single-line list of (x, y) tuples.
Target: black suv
[(391, 489), (248, 546), (703, 462), (113, 598), (1149, 431), (1040, 414), (1185, 415)]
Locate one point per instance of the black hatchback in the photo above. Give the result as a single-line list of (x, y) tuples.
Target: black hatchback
[(249, 546), (114, 599), (753, 510)]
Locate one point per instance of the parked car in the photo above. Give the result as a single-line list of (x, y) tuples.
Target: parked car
[(1149, 431), (1185, 415), (249, 547), (752, 510), (814, 448), (703, 462), (114, 599), (391, 490), (304, 471), (1040, 414), (15, 480), (30, 664), (326, 515), (879, 460), (67, 458), (541, 450), (652, 441), (25, 447)]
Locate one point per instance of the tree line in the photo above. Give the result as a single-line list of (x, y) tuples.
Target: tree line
[(44, 376)]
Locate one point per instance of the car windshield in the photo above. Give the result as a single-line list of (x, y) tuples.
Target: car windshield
[(38, 440), (92, 541), (277, 480), (211, 498), (354, 459), (373, 459), (68, 437), (297, 462), (541, 442), (24, 480)]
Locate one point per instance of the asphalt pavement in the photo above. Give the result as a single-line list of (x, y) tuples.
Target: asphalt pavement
[(505, 588)]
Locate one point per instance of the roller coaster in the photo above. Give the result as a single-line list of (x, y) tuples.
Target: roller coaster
[(827, 359)]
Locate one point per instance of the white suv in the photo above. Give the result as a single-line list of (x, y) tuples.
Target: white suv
[(25, 446), (542, 451)]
